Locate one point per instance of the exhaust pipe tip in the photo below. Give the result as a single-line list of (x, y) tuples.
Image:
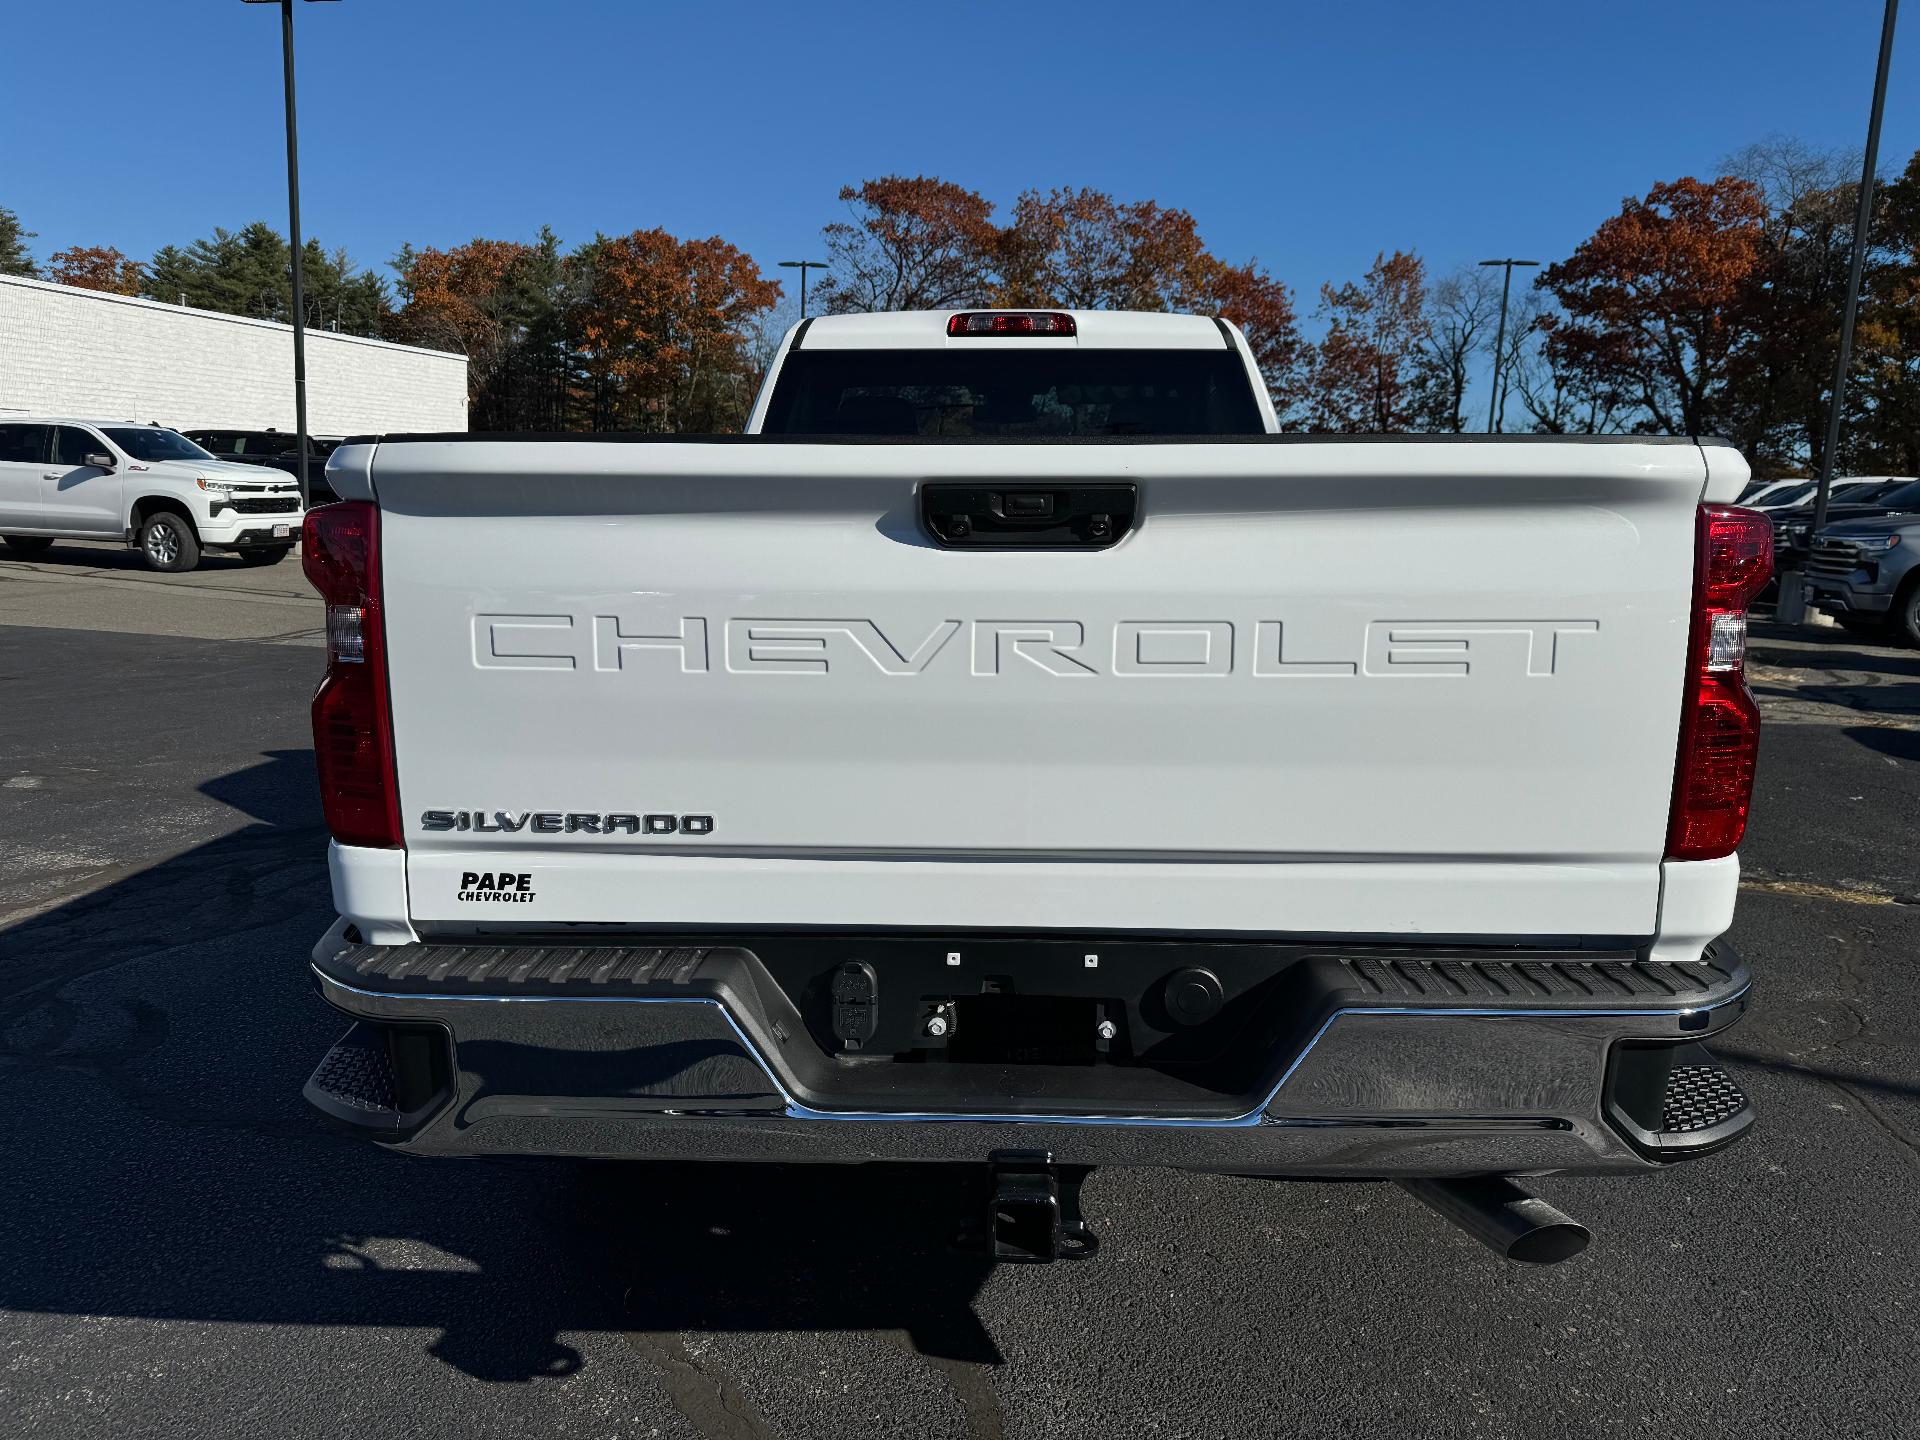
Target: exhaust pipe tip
[(1558, 1240), (1503, 1217)]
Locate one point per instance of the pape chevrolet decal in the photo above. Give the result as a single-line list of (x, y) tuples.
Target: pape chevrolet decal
[(500, 886)]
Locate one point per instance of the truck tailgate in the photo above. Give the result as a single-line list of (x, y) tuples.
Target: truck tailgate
[(1320, 688)]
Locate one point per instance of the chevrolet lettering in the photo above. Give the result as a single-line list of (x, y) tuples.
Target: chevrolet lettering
[(667, 645)]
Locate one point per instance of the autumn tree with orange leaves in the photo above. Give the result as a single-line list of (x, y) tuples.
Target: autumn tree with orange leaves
[(912, 244), (638, 332), (1084, 250), (1780, 394), (1712, 307), (1657, 302), (1372, 372), (1263, 309), (1888, 390), (922, 243), (96, 267), (660, 327), (501, 304)]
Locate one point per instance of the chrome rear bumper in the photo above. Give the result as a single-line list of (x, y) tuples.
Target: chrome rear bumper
[(1348, 1060)]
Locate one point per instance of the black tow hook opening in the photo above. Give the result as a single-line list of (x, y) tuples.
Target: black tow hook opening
[(1504, 1218), (1033, 1215)]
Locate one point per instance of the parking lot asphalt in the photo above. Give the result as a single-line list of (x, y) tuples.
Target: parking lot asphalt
[(82, 585), (184, 1251)]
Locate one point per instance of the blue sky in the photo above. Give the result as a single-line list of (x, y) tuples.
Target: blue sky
[(1308, 136)]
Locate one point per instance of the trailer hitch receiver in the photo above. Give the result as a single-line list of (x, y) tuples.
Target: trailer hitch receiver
[(1034, 1213)]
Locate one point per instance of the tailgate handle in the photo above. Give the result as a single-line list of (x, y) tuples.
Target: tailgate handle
[(1036, 516)]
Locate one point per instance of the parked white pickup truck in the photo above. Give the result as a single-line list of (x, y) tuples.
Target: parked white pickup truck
[(151, 488), (1013, 751)]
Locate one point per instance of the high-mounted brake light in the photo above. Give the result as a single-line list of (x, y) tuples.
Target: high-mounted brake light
[(352, 726), (1011, 322), (1719, 721)]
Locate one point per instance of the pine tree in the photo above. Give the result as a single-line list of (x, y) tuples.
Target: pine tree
[(249, 272), (15, 259)]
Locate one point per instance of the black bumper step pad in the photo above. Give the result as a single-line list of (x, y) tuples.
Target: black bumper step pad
[(358, 1073), (1465, 979), (458, 968), (1700, 1097), (1675, 1102), (1603, 979), (360, 1086)]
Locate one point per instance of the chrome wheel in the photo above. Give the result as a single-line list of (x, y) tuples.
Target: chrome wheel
[(163, 543)]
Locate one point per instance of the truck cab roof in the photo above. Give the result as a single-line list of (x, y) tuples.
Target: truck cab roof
[(93, 420), (1094, 330)]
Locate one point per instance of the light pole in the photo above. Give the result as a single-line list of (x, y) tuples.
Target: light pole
[(1863, 218), (803, 266), (293, 228), (1500, 338)]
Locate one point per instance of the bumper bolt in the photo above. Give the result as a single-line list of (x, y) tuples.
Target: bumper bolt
[(1106, 1029), (937, 1026)]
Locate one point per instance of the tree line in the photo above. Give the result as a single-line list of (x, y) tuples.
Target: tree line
[(1703, 306)]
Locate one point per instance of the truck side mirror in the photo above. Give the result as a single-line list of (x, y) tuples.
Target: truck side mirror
[(100, 460)]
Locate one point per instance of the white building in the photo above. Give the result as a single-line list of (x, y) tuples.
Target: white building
[(66, 351)]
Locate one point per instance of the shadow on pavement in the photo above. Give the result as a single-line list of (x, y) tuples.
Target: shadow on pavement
[(1817, 647), (1819, 674), (113, 556), (1886, 740), (209, 1193), (1864, 695), (1783, 1065)]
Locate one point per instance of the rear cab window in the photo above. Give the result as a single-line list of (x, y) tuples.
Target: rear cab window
[(1012, 394), (23, 444)]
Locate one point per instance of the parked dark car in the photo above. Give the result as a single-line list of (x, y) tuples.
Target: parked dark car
[(1793, 528), (1771, 495), (279, 449), (1866, 574)]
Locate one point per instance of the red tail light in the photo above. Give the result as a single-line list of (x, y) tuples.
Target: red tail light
[(352, 729), (1011, 322), (1719, 723)]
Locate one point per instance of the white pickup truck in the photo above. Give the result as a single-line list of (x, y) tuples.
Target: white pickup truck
[(147, 487), (1014, 752)]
